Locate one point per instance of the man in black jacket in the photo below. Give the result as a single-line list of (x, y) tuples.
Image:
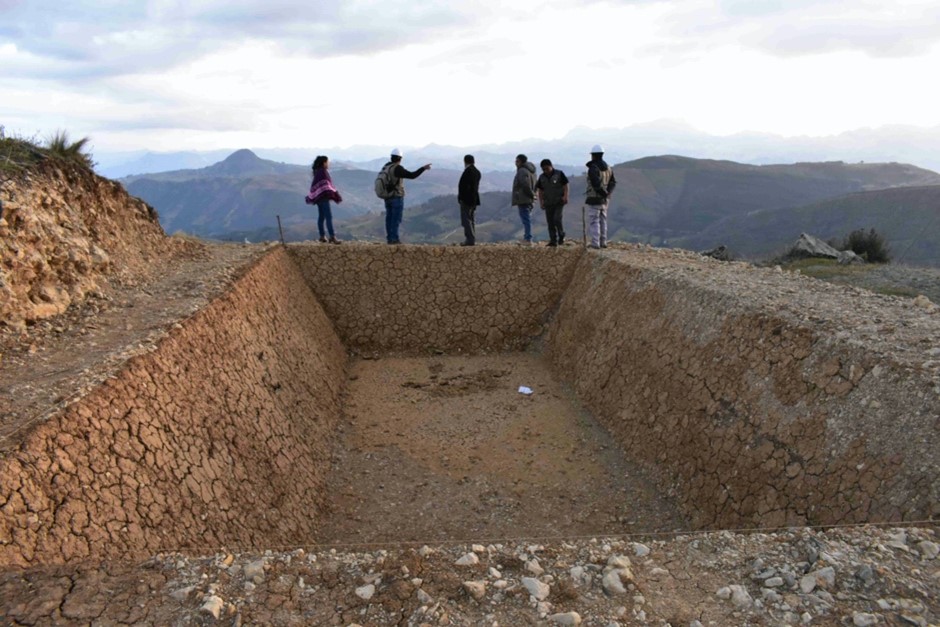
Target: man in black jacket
[(552, 189), (468, 195)]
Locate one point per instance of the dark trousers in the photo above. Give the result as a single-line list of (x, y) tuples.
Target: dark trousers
[(466, 221), (556, 232)]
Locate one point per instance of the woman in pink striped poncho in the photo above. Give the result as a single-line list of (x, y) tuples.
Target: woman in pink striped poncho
[(321, 193)]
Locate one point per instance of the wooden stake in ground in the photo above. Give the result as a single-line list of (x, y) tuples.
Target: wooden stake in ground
[(583, 226), (280, 230)]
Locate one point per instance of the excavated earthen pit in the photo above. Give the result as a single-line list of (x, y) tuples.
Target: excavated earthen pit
[(664, 400)]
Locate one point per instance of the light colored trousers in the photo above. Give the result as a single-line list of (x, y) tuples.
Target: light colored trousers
[(598, 214)]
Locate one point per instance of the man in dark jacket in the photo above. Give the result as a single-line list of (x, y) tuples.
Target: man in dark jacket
[(552, 188), (523, 195), (395, 203), (600, 185), (468, 195)]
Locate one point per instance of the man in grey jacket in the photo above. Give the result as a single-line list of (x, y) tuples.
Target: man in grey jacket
[(600, 186), (523, 195)]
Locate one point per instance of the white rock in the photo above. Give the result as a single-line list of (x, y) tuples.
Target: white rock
[(468, 560), (929, 549), (862, 619), (255, 571), (213, 606), (495, 574), (740, 596), (534, 567), (536, 588), (724, 593), (640, 550), (612, 583), (365, 592), (425, 550), (424, 598), (825, 577), (619, 561), (183, 593), (577, 574), (773, 582), (568, 618), (543, 608), (478, 548), (808, 583), (696, 623), (501, 584), (477, 589)]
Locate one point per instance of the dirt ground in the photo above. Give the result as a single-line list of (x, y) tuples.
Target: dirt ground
[(445, 448)]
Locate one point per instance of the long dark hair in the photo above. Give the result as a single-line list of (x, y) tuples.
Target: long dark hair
[(319, 161)]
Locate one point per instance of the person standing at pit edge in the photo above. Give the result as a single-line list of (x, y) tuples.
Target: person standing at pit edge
[(321, 193), (523, 195), (552, 188), (395, 203), (600, 185), (468, 196)]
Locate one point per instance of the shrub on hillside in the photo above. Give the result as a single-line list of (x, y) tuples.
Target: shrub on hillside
[(870, 245), (59, 145), (22, 153)]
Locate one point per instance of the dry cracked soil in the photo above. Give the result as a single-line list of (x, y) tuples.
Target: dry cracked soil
[(452, 494)]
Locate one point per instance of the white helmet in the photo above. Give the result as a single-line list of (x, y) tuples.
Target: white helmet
[(597, 149), (396, 152)]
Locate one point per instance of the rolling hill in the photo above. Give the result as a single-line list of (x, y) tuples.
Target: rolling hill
[(907, 217), (664, 200)]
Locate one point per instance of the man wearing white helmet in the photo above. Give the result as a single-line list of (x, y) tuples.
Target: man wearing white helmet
[(600, 185), (394, 175)]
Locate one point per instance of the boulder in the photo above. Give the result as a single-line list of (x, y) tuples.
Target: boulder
[(809, 246)]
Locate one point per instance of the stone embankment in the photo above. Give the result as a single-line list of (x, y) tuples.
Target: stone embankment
[(759, 398), (437, 298), (218, 436), (771, 399)]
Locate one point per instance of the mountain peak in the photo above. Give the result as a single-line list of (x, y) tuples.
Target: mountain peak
[(244, 162)]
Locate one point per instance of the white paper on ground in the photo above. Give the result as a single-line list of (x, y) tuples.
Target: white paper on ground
[(524, 390)]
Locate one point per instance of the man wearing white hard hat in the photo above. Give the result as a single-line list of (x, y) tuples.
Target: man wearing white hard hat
[(600, 185), (391, 181)]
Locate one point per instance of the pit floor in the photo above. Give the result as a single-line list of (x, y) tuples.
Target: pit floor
[(446, 448)]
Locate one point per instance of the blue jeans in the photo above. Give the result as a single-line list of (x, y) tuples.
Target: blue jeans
[(324, 214), (394, 208), (525, 213)]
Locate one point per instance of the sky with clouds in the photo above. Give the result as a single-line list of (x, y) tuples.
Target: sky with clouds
[(173, 75)]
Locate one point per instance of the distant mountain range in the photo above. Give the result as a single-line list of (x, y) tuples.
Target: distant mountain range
[(665, 200), (904, 144)]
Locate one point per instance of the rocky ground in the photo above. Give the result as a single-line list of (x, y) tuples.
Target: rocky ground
[(854, 576), (371, 565)]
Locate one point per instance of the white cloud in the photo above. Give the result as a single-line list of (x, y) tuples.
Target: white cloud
[(169, 74)]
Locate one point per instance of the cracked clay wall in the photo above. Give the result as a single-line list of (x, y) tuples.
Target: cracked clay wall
[(751, 416), (452, 299), (219, 436)]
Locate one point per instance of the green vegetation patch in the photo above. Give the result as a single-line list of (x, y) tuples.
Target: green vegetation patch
[(19, 154), (826, 268)]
